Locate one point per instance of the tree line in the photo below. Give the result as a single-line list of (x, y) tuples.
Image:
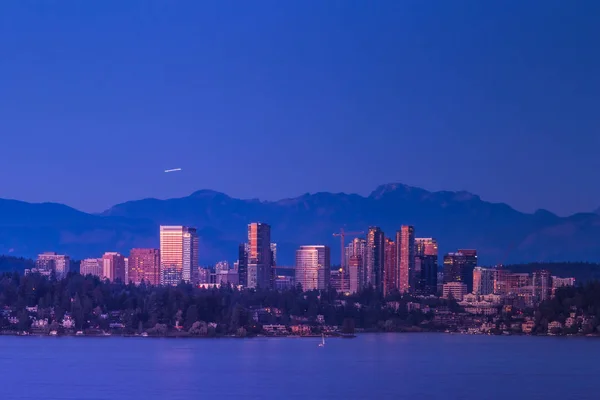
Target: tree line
[(94, 304)]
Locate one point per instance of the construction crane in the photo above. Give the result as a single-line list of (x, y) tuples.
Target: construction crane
[(342, 235)]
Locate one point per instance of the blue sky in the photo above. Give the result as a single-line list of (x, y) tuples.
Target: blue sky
[(273, 99)]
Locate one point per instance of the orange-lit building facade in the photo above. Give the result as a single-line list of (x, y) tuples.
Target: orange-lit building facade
[(390, 271), (260, 256), (405, 258), (313, 267), (144, 265), (178, 255), (355, 273)]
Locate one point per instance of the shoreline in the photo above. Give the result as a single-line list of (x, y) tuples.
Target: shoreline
[(335, 336)]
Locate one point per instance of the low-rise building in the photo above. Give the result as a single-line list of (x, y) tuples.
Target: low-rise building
[(275, 329), (455, 289), (301, 330), (481, 305)]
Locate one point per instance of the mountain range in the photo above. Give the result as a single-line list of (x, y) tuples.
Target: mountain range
[(460, 219)]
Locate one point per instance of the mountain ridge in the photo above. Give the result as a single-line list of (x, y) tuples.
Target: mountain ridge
[(456, 218)]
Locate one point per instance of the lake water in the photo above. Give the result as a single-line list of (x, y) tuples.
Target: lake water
[(374, 366)]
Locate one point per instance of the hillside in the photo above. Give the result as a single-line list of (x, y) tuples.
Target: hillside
[(457, 219)]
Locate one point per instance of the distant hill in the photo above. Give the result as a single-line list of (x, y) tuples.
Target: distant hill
[(457, 219), (15, 264)]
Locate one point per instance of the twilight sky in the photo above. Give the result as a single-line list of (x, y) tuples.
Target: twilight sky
[(273, 99)]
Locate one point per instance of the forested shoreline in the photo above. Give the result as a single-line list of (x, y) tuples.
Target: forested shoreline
[(86, 305)]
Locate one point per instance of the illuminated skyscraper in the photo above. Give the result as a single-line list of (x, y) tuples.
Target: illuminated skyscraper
[(542, 285), (470, 264), (260, 261), (49, 262), (426, 265), (273, 264), (455, 267), (390, 268), (375, 255), (313, 267), (113, 267), (357, 248), (356, 274), (144, 265), (242, 266), (126, 259), (459, 266), (405, 258), (274, 253), (178, 255)]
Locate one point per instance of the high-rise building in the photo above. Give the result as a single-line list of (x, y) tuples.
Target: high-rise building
[(509, 283), (405, 259), (390, 270), (260, 262), (542, 285), (335, 280), (273, 264), (91, 266), (49, 262), (426, 265), (440, 282), (357, 248), (144, 265), (274, 253), (313, 267), (355, 272), (375, 255), (242, 266), (113, 267), (126, 270), (483, 281), (470, 264), (178, 255), (456, 269)]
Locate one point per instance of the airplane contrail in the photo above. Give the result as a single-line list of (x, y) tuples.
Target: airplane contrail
[(173, 170)]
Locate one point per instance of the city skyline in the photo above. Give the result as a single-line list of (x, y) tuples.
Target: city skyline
[(388, 265), (346, 192)]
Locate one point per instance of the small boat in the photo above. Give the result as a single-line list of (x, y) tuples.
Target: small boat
[(322, 344)]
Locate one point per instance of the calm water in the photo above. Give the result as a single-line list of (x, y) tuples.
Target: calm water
[(386, 366)]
